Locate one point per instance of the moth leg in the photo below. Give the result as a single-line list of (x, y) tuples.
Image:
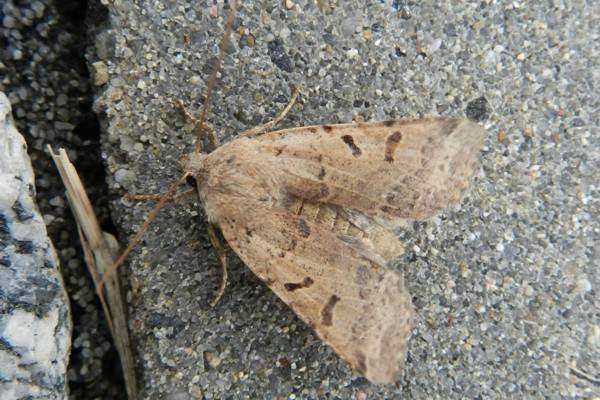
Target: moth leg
[(186, 196), (200, 125), (358, 120), (222, 251), (141, 197), (182, 197), (213, 139), (262, 74), (267, 127)]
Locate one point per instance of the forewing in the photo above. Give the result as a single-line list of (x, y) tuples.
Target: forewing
[(355, 305), (392, 170)]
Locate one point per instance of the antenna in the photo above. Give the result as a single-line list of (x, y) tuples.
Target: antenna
[(163, 199), (211, 83), (199, 123)]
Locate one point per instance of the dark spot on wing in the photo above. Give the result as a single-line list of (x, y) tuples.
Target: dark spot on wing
[(306, 283), (327, 311), (316, 192), (322, 192), (361, 362), (391, 144), (312, 129), (268, 281), (385, 209), (292, 246), (390, 197), (448, 126), (395, 137), (363, 293), (248, 232), (322, 173), (389, 123), (279, 150), (328, 128), (303, 228), (349, 140)]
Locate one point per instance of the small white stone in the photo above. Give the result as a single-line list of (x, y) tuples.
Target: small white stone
[(583, 286), (124, 176)]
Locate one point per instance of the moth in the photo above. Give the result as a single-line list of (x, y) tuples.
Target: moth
[(311, 211)]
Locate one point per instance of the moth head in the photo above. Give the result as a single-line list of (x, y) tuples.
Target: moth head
[(192, 163)]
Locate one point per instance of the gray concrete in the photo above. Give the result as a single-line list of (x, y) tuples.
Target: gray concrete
[(504, 285)]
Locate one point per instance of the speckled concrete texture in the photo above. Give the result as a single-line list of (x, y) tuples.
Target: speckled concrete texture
[(504, 284)]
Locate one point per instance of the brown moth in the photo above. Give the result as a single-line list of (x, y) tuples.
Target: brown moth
[(310, 211)]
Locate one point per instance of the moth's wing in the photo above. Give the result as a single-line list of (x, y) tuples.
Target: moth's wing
[(375, 242), (355, 305), (382, 240), (392, 171)]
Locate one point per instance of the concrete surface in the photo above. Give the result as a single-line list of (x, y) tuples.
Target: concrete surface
[(505, 285)]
